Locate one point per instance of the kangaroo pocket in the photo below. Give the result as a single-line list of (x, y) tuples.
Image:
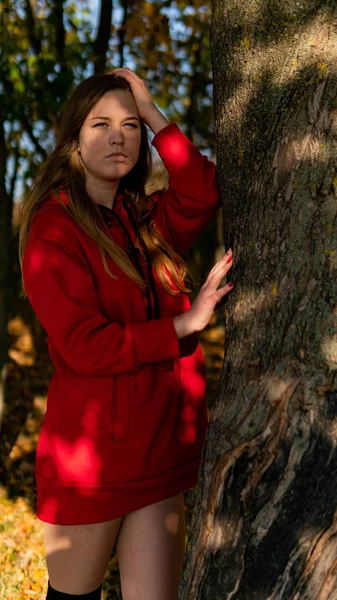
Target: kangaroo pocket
[(85, 427), (95, 407)]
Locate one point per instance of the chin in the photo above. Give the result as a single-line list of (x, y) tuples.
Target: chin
[(114, 174)]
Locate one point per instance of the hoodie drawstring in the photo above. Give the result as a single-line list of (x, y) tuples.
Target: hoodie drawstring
[(146, 252), (133, 251)]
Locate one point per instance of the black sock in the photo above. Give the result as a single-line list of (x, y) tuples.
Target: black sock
[(55, 595)]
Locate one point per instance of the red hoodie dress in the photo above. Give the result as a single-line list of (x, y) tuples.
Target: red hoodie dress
[(126, 415)]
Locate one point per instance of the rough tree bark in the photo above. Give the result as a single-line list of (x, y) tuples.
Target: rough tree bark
[(265, 519)]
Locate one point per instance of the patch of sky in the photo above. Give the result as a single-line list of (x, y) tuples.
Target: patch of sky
[(181, 89), (171, 11), (162, 48), (21, 13), (51, 76), (44, 135), (189, 10), (208, 100)]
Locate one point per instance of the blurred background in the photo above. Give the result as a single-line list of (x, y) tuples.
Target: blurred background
[(46, 48)]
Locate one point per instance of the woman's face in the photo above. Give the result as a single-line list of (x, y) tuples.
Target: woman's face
[(112, 126)]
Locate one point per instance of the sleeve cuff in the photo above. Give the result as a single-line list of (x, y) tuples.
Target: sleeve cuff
[(166, 131), (155, 340)]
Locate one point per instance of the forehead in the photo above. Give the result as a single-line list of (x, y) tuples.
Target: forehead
[(115, 102)]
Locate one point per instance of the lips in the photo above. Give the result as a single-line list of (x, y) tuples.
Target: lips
[(117, 154)]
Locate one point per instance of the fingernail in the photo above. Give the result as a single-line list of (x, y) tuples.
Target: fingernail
[(231, 284), (229, 260)]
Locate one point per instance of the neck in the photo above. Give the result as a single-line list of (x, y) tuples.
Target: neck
[(101, 191)]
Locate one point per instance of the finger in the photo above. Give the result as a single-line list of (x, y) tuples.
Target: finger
[(225, 259), (212, 284), (226, 288), (125, 71), (221, 292), (118, 71), (224, 264), (221, 302)]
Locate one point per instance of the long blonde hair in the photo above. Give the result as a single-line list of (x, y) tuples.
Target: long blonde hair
[(63, 170)]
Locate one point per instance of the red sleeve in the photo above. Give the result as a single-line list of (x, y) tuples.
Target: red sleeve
[(183, 211), (61, 290)]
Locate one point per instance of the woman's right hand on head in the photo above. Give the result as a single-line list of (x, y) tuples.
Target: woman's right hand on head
[(203, 306)]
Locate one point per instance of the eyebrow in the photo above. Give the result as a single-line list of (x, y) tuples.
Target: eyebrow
[(108, 118)]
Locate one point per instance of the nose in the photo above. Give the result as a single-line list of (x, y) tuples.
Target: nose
[(115, 137)]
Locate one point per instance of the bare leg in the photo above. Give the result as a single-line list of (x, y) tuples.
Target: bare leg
[(78, 555), (150, 550)]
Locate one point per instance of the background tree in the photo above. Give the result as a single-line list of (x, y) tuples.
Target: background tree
[(265, 521)]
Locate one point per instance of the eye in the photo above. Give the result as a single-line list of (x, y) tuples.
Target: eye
[(132, 125), (98, 124)]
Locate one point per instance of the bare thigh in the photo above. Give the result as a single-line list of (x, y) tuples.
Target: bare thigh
[(78, 555), (150, 550)]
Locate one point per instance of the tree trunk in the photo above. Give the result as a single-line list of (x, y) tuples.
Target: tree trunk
[(5, 237), (122, 32), (60, 32), (265, 520), (101, 43)]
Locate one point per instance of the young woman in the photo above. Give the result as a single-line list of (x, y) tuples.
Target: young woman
[(126, 416)]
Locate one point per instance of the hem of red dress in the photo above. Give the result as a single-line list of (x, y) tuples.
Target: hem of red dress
[(61, 503)]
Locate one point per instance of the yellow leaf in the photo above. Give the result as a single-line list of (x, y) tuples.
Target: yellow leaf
[(323, 68), (39, 574), (148, 9), (36, 586)]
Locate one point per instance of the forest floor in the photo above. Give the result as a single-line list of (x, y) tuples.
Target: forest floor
[(23, 572)]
